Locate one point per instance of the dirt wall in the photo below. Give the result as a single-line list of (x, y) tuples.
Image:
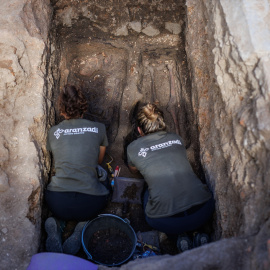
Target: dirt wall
[(230, 74), (23, 30)]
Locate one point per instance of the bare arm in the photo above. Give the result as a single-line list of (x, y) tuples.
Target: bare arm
[(102, 150)]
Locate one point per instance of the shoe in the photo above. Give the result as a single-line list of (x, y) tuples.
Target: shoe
[(54, 240), (200, 239), (73, 244), (184, 242)]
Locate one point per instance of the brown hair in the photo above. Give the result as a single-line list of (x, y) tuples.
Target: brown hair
[(72, 102), (150, 119)]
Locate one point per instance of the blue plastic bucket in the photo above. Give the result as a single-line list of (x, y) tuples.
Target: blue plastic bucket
[(105, 222)]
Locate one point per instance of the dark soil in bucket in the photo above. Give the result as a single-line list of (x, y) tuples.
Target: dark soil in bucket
[(110, 246)]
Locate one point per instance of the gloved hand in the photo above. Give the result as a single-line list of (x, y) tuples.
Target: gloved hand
[(102, 174)]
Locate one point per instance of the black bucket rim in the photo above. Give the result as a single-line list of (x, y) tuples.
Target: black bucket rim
[(89, 256)]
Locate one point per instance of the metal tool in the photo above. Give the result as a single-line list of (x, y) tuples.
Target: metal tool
[(110, 169), (144, 246)]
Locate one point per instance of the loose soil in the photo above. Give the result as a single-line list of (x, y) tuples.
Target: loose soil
[(130, 192), (110, 246)]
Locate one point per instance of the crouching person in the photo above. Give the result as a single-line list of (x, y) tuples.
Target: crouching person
[(75, 192), (176, 201)]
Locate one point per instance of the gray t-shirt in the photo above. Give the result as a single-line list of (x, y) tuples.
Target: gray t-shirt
[(173, 186), (75, 145)]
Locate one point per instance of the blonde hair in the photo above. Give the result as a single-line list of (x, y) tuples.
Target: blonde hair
[(150, 119)]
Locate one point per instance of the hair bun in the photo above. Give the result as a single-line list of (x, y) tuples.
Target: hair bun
[(150, 119)]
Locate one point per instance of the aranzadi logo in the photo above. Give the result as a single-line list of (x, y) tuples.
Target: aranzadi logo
[(73, 131), (143, 151)]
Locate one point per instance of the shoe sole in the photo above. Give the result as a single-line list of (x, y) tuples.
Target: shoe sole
[(53, 242), (73, 244), (200, 239)]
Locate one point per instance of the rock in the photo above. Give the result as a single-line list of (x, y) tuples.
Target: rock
[(150, 31), (122, 31), (136, 26), (174, 28), (4, 230)]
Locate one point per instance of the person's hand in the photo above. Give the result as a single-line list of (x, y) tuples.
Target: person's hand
[(133, 169)]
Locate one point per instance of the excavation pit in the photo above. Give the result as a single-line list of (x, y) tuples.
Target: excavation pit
[(206, 67), (119, 72)]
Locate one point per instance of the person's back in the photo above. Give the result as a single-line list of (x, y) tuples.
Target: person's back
[(75, 144), (173, 186), (74, 193), (176, 201)]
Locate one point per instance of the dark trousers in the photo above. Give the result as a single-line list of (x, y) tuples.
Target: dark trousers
[(74, 205), (186, 221)]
